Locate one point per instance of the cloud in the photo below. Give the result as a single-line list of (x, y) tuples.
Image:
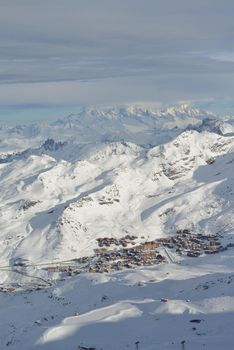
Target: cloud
[(81, 51), (223, 56)]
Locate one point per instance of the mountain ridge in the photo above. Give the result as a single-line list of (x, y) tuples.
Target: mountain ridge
[(124, 228)]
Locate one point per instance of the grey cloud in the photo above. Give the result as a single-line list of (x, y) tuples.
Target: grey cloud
[(100, 47)]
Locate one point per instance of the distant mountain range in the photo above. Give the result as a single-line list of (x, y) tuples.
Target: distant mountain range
[(142, 126)]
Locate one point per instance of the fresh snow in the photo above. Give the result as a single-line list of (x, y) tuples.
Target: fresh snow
[(109, 173)]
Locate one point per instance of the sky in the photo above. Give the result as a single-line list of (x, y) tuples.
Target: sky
[(59, 55)]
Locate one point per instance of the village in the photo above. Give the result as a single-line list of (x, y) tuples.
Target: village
[(107, 259), (145, 254), (128, 252), (193, 245), (115, 254)]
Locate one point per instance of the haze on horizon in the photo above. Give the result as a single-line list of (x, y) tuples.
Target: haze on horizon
[(59, 55)]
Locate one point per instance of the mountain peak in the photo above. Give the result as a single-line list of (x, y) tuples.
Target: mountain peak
[(186, 109)]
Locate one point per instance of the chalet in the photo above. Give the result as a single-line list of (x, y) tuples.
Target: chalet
[(100, 250), (150, 245)]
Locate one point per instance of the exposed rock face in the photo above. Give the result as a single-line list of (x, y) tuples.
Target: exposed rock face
[(51, 145)]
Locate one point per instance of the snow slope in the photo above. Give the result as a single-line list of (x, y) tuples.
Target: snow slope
[(59, 195)]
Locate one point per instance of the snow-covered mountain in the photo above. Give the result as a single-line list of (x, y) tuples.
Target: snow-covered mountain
[(144, 126), (115, 173)]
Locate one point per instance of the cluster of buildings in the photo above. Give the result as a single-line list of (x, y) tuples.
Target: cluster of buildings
[(115, 254), (124, 241), (145, 254), (113, 259), (193, 245)]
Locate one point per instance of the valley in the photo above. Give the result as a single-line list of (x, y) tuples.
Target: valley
[(105, 230)]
